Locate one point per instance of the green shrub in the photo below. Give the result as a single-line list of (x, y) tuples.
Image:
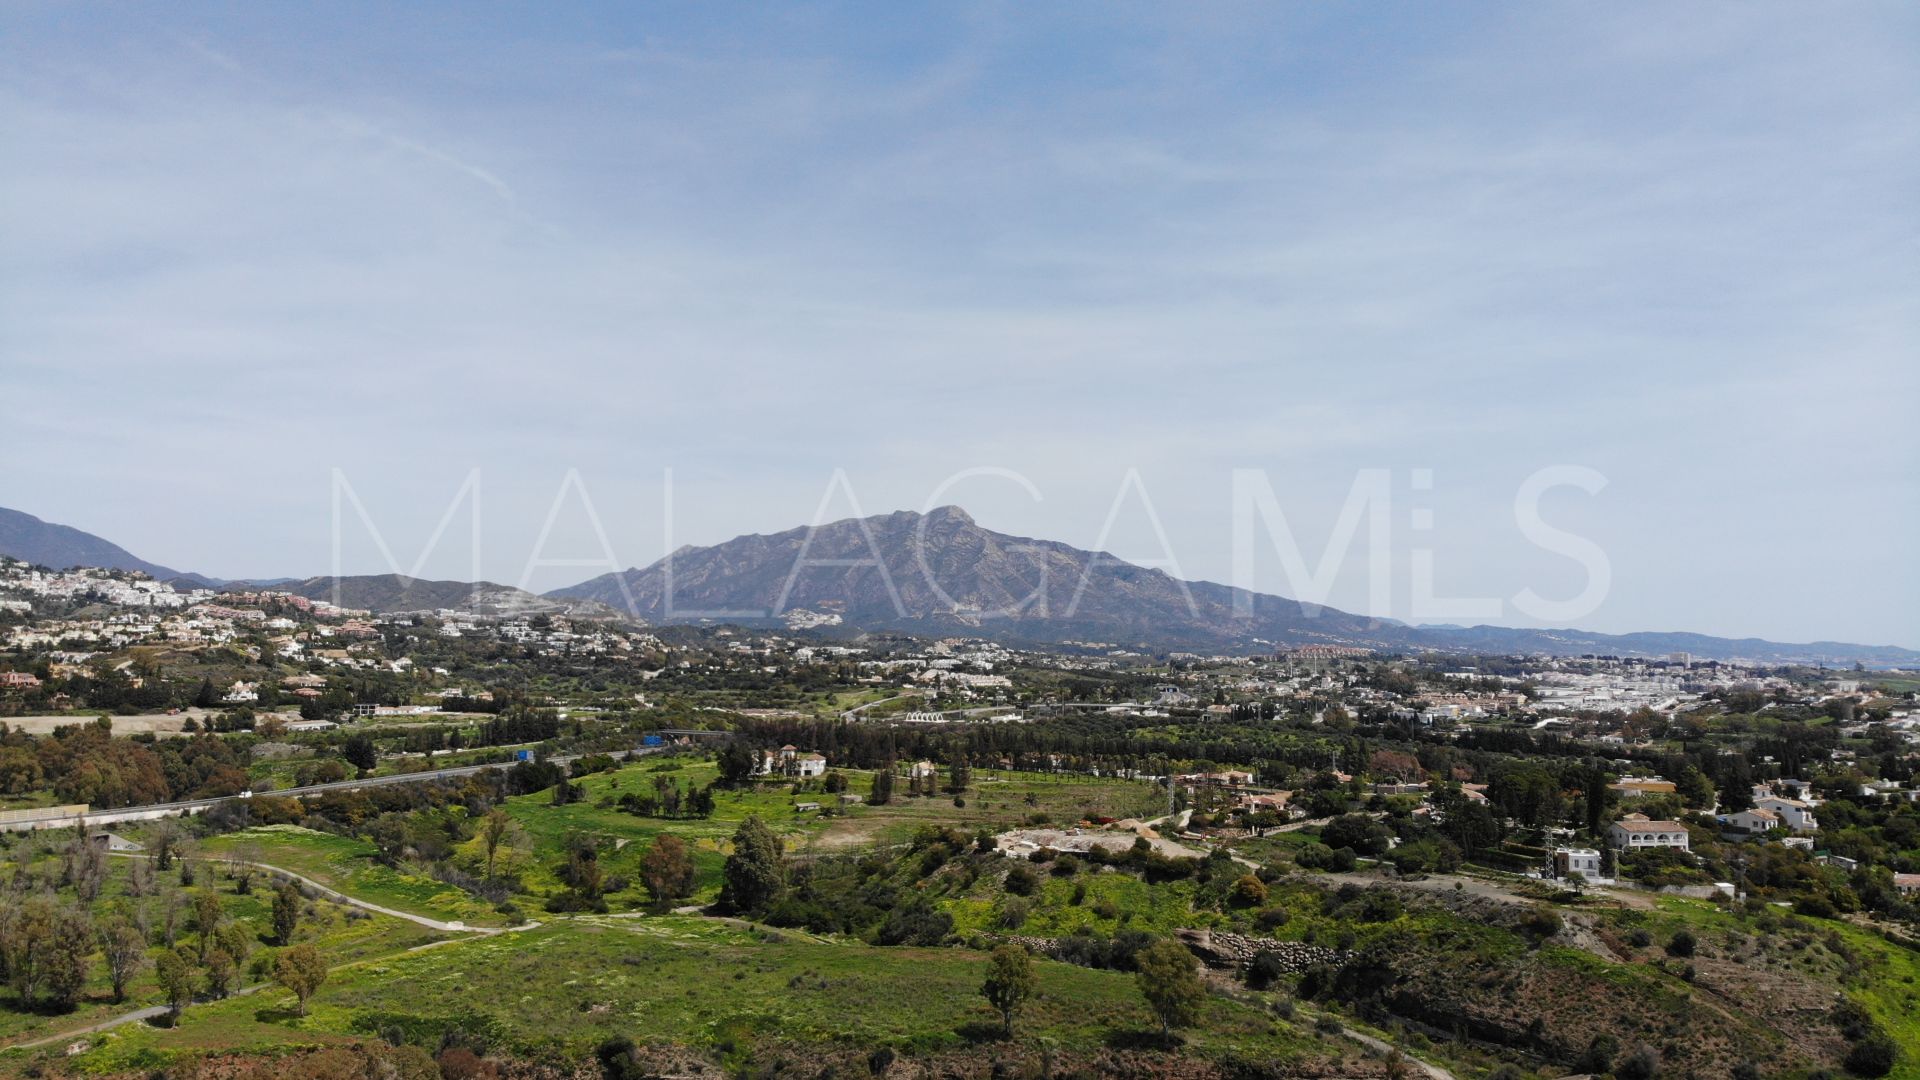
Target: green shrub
[(1247, 891), (1013, 913), (1872, 1055), (1022, 881)]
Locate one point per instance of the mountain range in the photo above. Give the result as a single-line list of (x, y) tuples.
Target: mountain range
[(395, 592), (940, 573), (63, 547)]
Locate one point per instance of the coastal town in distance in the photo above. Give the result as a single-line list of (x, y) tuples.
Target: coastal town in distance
[(265, 803), (852, 540)]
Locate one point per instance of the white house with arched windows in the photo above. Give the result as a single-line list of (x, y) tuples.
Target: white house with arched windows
[(1634, 832)]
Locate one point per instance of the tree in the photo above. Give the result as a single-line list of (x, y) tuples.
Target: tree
[(286, 913), (83, 865), (583, 865), (667, 870), (1599, 798), (361, 753), (756, 871), (175, 975), (206, 917), (237, 941), (67, 949), (170, 904), (497, 829), (302, 970), (1363, 834), (241, 868), (736, 763), (44, 950), (125, 948), (222, 969), (164, 838), (1696, 791), (1167, 979), (1010, 982), (882, 792)]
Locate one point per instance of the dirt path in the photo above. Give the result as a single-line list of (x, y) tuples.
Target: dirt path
[(151, 1012), (1433, 1071), (1228, 986), (339, 897), (155, 1011)]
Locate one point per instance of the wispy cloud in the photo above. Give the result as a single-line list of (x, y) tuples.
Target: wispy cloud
[(1677, 250)]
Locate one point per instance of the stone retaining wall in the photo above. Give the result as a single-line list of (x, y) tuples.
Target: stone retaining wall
[(1223, 949), (1218, 949)]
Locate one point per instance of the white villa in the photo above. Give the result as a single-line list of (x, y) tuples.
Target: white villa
[(1634, 832)]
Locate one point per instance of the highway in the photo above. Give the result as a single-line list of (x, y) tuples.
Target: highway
[(153, 811)]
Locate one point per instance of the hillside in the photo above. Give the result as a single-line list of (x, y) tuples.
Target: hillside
[(393, 592), (62, 547), (942, 573)]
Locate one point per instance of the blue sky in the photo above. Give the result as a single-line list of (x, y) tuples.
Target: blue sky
[(248, 246)]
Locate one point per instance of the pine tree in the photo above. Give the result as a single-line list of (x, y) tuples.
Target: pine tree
[(1010, 982), (1167, 980), (756, 871), (286, 913)]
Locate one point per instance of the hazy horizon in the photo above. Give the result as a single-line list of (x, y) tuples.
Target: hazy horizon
[(252, 250)]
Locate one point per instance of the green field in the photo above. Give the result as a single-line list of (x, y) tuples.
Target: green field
[(342, 933), (348, 865), (553, 993), (995, 801), (1110, 901)]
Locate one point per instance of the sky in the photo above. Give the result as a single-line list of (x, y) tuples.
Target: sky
[(650, 275)]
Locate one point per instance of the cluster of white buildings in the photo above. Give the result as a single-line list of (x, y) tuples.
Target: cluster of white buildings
[(790, 761), (105, 586), (556, 635)]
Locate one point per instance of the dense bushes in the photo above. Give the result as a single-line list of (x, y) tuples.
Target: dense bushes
[(1094, 951), (915, 924), (1322, 857), (1873, 1051)]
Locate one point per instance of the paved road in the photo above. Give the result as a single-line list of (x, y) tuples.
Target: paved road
[(195, 806), (152, 811), (853, 714)]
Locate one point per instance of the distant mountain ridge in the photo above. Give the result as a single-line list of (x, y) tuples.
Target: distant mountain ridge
[(384, 593), (941, 573), (63, 547)]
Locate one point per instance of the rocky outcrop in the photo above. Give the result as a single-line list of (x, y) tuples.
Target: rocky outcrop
[(1227, 950), (1217, 949)]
